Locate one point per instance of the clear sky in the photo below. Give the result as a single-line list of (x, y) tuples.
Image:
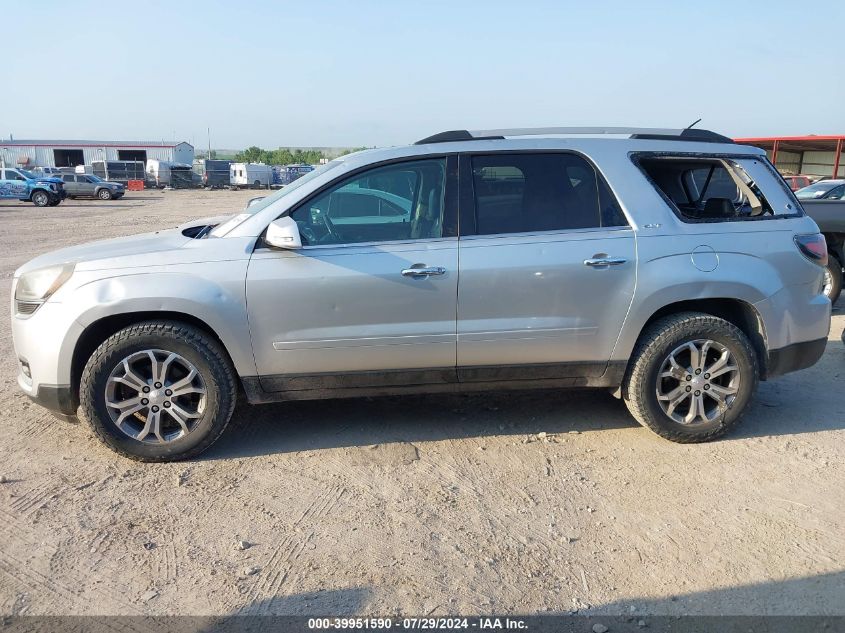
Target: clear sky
[(364, 73)]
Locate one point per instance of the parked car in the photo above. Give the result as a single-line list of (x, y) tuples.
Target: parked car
[(673, 268), (42, 191), (832, 189), (46, 171), (829, 215), (798, 182), (90, 186)]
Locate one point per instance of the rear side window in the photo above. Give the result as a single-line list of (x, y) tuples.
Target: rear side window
[(519, 193), (716, 189)]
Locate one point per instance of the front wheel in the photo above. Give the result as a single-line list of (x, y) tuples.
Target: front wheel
[(158, 391), (104, 194), (40, 198), (833, 278), (691, 377)]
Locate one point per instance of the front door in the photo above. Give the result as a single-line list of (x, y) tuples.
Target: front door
[(547, 271), (371, 298)]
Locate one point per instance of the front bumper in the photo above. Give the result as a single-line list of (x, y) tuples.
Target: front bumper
[(59, 399), (44, 344), (794, 357)]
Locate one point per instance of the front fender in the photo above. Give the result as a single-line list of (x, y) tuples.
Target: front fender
[(197, 292)]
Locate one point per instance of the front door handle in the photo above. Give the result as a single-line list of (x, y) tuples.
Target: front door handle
[(419, 270), (600, 261)]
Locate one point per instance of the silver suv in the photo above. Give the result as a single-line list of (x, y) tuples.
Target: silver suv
[(674, 268)]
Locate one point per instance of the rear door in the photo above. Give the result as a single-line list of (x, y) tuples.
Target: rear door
[(70, 184), (547, 267)]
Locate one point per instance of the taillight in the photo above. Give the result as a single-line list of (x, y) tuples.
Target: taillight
[(813, 247)]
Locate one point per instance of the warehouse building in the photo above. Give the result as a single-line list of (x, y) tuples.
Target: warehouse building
[(813, 155), (29, 154)]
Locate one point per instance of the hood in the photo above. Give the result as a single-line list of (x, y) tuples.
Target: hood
[(102, 253)]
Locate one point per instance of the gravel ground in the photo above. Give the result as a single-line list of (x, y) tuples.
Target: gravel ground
[(520, 502)]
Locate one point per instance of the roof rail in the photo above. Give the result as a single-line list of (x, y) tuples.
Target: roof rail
[(661, 134)]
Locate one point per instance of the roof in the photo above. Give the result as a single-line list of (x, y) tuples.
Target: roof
[(86, 143)]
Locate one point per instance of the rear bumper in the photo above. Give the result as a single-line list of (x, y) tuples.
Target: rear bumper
[(794, 357)]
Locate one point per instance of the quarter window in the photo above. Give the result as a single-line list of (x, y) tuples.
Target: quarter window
[(396, 202), (713, 189), (517, 193)]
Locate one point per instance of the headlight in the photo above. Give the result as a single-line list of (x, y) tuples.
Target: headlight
[(38, 285)]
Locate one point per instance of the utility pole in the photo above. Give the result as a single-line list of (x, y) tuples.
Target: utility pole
[(208, 156)]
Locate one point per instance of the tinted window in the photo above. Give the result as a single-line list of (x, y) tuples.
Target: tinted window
[(68, 178), (13, 175), (397, 202), (516, 193)]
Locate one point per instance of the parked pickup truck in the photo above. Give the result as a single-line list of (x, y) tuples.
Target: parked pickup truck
[(42, 191), (830, 216)]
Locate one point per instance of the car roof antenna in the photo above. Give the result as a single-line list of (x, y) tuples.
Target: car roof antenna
[(693, 124)]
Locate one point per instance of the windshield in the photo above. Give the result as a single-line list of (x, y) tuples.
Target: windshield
[(28, 174), (259, 205), (817, 190), (92, 178)]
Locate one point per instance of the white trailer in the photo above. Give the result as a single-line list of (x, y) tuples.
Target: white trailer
[(255, 175)]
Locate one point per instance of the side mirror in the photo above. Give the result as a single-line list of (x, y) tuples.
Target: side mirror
[(283, 233)]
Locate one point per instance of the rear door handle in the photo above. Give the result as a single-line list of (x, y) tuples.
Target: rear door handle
[(604, 261), (423, 271)]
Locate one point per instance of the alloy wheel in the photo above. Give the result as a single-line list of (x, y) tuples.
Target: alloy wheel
[(155, 396), (698, 382), (827, 287)]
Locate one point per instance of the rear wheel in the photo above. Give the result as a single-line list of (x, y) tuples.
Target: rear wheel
[(40, 198), (158, 391), (104, 194), (833, 278), (691, 377)]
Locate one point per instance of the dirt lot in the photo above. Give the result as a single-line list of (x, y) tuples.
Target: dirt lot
[(440, 504)]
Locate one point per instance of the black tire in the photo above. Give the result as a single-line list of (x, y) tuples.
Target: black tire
[(257, 184), (639, 389), (104, 194), (40, 198), (834, 268), (194, 345)]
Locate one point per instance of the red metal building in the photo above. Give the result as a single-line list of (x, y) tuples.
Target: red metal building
[(813, 155)]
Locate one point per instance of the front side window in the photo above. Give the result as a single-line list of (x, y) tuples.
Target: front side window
[(396, 202), (518, 193)]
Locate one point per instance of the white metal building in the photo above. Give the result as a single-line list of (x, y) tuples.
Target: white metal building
[(48, 153)]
